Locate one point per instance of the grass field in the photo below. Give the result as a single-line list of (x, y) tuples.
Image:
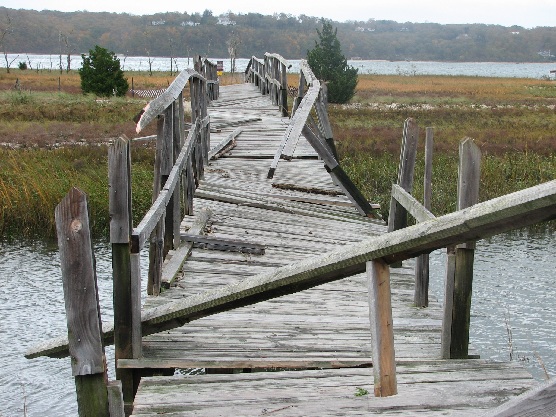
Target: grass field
[(53, 137)]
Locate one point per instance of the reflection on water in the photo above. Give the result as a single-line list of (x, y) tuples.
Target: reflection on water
[(514, 287), (514, 279)]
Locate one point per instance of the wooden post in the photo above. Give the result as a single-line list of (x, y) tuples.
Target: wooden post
[(127, 296), (300, 92), (421, 297), (397, 219), (167, 163), (82, 306), (156, 245), (284, 90), (382, 333), (461, 270), (178, 138)]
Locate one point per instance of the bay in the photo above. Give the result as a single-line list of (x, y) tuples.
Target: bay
[(534, 70)]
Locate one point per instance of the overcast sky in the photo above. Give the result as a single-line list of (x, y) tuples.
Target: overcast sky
[(526, 13)]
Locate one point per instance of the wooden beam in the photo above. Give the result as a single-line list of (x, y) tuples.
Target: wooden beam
[(468, 195), (421, 293), (224, 244), (224, 145), (410, 203), (249, 363), (397, 219), (159, 104), (482, 220)]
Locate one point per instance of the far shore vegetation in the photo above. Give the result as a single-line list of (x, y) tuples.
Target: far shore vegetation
[(53, 137)]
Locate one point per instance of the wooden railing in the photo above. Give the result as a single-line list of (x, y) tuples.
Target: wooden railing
[(311, 95), (270, 76), (459, 270), (179, 166)]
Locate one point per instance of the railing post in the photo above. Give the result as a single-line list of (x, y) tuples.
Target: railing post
[(460, 269), (82, 305), (324, 122), (126, 281), (284, 89), (300, 92), (397, 217), (156, 246), (382, 333), (421, 297)]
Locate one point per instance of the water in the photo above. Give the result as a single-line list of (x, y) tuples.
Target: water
[(514, 279), (514, 288), (31, 311), (479, 69)]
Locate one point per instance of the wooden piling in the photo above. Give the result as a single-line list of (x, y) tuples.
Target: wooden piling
[(82, 306), (382, 333), (127, 297), (468, 195), (421, 296)]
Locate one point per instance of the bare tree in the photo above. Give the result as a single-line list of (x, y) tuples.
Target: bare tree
[(5, 31), (233, 45), (68, 51)]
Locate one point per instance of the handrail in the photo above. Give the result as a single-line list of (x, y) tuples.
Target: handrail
[(508, 212), (318, 133)]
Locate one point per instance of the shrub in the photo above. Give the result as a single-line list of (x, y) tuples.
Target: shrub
[(101, 74), (330, 65)]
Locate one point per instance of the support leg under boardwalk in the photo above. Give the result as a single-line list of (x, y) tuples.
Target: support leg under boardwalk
[(380, 313)]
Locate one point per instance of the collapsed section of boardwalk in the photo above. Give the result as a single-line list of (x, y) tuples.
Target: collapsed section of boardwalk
[(273, 269)]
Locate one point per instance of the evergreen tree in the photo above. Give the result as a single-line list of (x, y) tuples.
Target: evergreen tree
[(101, 74), (330, 65)]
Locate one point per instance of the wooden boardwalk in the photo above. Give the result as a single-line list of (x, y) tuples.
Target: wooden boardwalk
[(317, 342)]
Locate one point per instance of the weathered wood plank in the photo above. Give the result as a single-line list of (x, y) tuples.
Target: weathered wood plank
[(538, 402)]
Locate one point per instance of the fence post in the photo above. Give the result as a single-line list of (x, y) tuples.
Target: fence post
[(300, 92), (82, 307), (397, 217), (460, 267), (321, 105), (156, 245), (126, 282), (382, 333), (284, 90), (421, 297)]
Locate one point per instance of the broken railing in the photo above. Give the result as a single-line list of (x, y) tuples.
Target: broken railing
[(309, 118), (270, 76)]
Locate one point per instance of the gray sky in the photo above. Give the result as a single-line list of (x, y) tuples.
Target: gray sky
[(526, 13)]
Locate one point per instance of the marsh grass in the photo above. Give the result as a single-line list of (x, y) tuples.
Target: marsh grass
[(512, 120), (32, 183), (500, 174)]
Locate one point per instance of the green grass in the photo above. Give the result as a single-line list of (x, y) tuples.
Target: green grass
[(500, 174), (32, 183)]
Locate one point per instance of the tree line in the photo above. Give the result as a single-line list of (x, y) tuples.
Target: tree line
[(181, 34)]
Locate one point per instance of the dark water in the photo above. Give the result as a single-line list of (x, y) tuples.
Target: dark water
[(514, 287)]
